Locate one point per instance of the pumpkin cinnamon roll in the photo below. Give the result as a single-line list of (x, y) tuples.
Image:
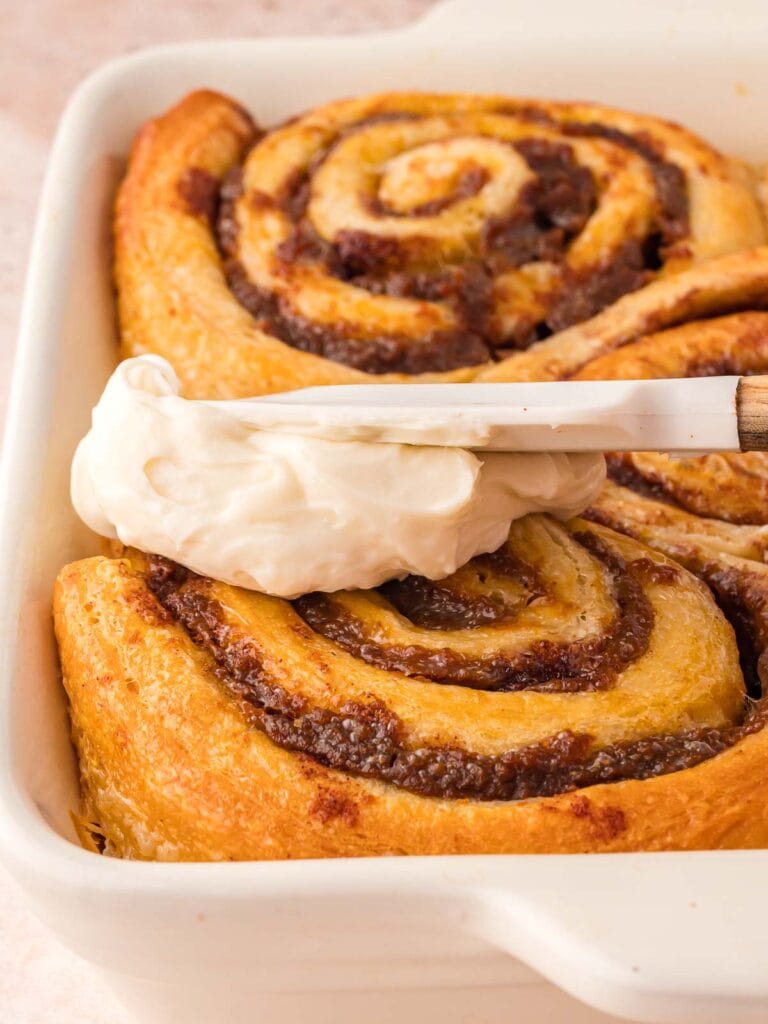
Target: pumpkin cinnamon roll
[(574, 691), (402, 236)]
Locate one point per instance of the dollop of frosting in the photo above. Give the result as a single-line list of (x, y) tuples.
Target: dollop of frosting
[(287, 514)]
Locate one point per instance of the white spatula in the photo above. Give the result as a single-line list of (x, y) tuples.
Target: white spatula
[(707, 414)]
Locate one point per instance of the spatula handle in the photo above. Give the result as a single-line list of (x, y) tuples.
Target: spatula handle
[(752, 413)]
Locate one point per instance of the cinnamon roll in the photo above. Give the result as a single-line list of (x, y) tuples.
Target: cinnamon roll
[(574, 691), (402, 236)]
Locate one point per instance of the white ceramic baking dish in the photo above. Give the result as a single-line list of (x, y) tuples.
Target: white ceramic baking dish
[(661, 937)]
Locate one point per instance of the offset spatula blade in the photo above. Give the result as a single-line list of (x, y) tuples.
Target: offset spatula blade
[(707, 414)]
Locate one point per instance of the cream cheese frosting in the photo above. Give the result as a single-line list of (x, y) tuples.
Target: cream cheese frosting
[(287, 514)]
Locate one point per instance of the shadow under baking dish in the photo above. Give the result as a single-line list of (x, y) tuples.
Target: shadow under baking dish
[(661, 937)]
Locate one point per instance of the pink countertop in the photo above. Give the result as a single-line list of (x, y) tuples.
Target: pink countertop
[(48, 46)]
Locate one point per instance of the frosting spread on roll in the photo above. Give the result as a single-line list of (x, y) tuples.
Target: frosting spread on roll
[(288, 515)]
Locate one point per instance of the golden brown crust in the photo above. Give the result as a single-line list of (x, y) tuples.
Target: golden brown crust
[(342, 240), (172, 769)]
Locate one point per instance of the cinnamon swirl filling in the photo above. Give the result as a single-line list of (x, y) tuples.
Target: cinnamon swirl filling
[(444, 208), (363, 734), (589, 663)]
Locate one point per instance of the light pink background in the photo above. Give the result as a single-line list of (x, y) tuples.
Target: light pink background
[(47, 47)]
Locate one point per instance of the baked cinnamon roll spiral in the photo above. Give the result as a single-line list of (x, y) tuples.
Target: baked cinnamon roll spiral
[(402, 236), (571, 692)]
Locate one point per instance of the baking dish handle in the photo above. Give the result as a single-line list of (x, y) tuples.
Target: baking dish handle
[(647, 937)]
